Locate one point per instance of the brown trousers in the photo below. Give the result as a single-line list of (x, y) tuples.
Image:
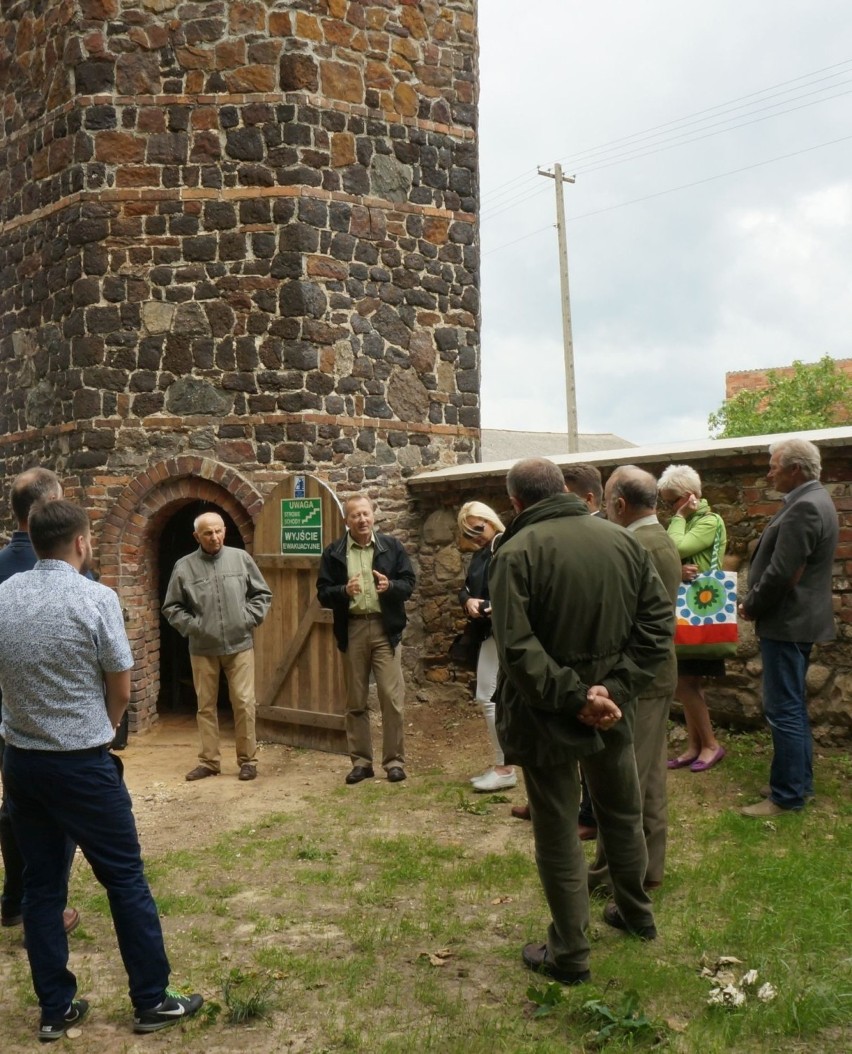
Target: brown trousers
[(369, 651), (239, 671)]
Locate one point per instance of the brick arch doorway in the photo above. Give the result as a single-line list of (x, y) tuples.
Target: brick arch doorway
[(129, 553)]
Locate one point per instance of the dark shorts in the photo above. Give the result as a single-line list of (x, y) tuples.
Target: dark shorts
[(701, 667)]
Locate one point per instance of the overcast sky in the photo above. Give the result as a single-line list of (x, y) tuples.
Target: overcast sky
[(741, 272)]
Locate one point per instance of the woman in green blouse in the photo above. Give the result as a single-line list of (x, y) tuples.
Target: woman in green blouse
[(700, 537)]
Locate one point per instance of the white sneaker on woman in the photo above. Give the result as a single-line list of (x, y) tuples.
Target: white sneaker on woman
[(493, 781), (481, 776)]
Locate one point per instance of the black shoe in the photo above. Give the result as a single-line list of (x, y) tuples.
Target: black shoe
[(50, 1030), (535, 958), (360, 772), (200, 772), (12, 920), (612, 917), (396, 774), (174, 1008)]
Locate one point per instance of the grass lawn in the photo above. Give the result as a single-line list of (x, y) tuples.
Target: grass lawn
[(388, 919)]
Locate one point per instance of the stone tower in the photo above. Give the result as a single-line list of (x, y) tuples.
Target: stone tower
[(237, 238)]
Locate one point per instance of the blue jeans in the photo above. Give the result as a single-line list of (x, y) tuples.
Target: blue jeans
[(13, 862), (54, 795), (785, 704), (13, 865)]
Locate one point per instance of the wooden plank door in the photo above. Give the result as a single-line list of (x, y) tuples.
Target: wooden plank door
[(299, 672)]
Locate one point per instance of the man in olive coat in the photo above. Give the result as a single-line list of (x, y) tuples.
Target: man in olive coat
[(582, 622), (631, 502)]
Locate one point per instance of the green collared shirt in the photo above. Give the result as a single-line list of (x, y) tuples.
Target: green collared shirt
[(359, 562)]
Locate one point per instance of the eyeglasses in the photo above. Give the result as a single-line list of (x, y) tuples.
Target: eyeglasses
[(470, 530)]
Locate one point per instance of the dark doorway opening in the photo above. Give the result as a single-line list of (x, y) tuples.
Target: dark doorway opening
[(177, 696)]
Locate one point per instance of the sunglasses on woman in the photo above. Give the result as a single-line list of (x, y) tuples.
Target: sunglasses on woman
[(470, 530)]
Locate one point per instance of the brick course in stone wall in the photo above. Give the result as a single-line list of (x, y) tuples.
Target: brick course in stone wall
[(239, 233), (169, 251), (298, 253)]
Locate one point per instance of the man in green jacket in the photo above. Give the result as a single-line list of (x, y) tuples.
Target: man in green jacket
[(631, 502), (582, 622)]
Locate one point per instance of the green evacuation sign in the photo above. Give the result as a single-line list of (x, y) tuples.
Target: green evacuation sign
[(301, 526)]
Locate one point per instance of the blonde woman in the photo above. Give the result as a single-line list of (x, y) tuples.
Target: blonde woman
[(480, 525), (700, 537)]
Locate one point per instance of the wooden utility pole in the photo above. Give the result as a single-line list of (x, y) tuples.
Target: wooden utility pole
[(567, 336)]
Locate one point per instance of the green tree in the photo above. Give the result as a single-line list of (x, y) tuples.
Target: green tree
[(813, 395)]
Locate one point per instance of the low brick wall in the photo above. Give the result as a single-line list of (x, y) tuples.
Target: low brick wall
[(733, 473)]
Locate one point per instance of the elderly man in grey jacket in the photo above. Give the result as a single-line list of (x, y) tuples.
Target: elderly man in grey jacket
[(216, 597), (790, 600)]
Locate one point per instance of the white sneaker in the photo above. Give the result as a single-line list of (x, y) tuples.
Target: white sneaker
[(493, 781), (484, 776)]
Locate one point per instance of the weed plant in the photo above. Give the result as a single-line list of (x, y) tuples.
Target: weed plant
[(248, 996)]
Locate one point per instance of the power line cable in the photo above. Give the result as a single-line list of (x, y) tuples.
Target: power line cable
[(704, 115), (510, 188), (488, 214), (522, 238), (493, 213), (708, 179), (673, 190), (673, 144)]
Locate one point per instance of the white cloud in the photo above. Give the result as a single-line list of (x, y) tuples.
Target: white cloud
[(748, 271)]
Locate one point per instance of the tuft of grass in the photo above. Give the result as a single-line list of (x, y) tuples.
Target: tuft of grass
[(247, 995), (311, 851)]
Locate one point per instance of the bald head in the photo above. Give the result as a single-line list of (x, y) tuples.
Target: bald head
[(631, 493), (209, 532), (36, 484)]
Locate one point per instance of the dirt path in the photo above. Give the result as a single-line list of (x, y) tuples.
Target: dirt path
[(172, 813)]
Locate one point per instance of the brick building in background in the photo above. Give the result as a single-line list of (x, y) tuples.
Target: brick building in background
[(747, 380), (237, 239)]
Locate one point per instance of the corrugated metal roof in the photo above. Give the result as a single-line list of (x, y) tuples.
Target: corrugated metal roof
[(500, 444), (638, 454)]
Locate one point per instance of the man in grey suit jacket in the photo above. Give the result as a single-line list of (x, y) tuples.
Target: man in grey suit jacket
[(790, 599)]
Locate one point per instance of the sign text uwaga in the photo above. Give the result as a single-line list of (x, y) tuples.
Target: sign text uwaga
[(301, 526)]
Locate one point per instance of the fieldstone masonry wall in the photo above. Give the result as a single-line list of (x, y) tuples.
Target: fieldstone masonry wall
[(239, 232), (736, 488)]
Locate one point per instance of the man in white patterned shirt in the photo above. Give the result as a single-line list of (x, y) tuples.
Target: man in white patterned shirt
[(65, 674), (31, 486)]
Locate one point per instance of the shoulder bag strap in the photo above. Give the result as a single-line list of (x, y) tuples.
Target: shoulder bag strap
[(716, 556)]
